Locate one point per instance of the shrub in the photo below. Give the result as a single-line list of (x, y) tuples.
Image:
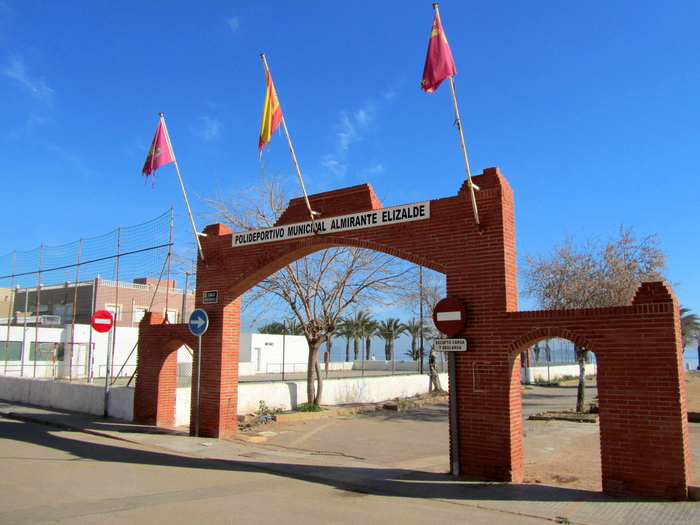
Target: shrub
[(309, 407), (264, 410)]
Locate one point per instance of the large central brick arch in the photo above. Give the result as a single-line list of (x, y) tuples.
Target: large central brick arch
[(644, 434)]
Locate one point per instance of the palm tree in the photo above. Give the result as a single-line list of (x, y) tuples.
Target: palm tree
[(389, 330), (414, 328), (346, 331), (274, 328), (690, 330), (361, 325), (369, 330)]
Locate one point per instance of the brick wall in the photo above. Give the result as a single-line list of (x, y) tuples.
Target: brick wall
[(644, 435)]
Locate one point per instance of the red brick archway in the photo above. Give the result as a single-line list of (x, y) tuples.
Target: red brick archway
[(644, 434)]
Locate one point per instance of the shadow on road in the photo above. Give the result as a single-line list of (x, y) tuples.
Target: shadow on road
[(364, 480)]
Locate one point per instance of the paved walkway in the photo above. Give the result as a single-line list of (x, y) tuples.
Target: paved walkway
[(351, 472)]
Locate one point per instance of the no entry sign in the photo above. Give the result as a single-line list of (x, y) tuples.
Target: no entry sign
[(102, 321), (449, 316)]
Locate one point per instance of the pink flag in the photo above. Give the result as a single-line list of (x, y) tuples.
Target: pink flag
[(159, 153), (439, 64)]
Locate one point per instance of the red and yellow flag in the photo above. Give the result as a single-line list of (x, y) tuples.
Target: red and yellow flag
[(272, 113), (439, 64)]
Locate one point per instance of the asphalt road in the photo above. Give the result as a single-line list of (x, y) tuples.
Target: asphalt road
[(66, 477)]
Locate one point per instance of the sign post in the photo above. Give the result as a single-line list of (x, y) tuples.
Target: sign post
[(199, 322), (102, 322), (449, 317)]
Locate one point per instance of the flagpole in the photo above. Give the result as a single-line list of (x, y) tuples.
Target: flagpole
[(291, 149), (458, 122), (182, 187)]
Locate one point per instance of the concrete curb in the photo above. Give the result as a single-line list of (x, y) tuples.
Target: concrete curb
[(326, 412)]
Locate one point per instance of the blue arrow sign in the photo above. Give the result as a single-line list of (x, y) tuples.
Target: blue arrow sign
[(199, 322)]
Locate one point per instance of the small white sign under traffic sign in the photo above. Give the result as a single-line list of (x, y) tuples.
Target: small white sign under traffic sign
[(450, 345)]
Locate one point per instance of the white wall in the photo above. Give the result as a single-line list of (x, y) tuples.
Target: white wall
[(335, 392), (89, 399), (82, 360), (77, 397), (542, 373), (268, 352)]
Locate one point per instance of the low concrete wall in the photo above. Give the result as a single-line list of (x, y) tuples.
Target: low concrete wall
[(543, 373), (77, 397), (89, 398), (400, 366), (339, 391)]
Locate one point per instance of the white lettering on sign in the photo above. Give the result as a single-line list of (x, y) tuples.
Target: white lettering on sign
[(356, 221), (449, 316)]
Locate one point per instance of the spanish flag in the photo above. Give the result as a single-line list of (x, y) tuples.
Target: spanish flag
[(439, 64), (272, 113)]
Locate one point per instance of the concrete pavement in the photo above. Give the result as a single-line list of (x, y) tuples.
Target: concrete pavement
[(384, 467)]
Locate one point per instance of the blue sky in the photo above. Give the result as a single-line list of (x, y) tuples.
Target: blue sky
[(590, 109)]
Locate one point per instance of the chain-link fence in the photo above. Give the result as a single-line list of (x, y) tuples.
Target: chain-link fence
[(48, 297)]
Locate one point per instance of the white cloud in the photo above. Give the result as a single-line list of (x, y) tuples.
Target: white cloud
[(36, 86), (234, 23), (351, 128), (208, 128), (329, 162)]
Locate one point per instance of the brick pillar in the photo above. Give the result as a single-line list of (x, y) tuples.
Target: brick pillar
[(483, 277), (154, 395), (219, 376), (643, 420)]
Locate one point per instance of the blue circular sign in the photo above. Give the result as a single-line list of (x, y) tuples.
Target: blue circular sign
[(199, 322)]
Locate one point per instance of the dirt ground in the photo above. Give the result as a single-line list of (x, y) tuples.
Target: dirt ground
[(575, 461)]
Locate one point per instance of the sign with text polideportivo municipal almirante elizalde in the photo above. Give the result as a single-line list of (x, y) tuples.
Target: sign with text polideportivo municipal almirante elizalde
[(355, 221)]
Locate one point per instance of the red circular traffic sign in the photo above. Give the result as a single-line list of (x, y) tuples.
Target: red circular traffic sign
[(102, 321), (449, 316)]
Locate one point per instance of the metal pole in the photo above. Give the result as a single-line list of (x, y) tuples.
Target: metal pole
[(458, 122), (75, 309), (117, 309), (291, 149), (453, 413), (24, 333), (184, 297), (109, 367), (420, 294), (464, 155), (12, 306), (91, 346), (182, 187), (167, 288), (199, 377), (284, 344), (38, 306)]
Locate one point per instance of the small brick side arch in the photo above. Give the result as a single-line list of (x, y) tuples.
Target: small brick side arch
[(644, 434), (154, 396)]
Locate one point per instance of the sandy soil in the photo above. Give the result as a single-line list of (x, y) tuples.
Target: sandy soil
[(575, 460)]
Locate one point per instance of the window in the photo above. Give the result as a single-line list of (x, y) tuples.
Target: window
[(171, 316), (10, 351), (115, 310), (138, 313)]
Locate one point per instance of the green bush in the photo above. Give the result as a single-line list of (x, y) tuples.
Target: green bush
[(264, 410), (309, 407)]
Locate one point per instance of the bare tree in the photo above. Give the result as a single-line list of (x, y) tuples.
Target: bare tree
[(317, 288), (592, 274)]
